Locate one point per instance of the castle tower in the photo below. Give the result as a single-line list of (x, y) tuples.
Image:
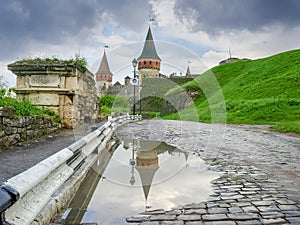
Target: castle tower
[(188, 72), (147, 164), (103, 76), (127, 80), (149, 61)]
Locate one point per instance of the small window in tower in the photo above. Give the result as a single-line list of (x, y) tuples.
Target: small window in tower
[(144, 62), (150, 62), (156, 63)]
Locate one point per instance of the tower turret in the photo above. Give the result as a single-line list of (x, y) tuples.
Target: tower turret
[(103, 76), (149, 61)]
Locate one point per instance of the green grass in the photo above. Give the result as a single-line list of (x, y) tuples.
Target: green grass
[(25, 108), (113, 103), (262, 91), (80, 60)]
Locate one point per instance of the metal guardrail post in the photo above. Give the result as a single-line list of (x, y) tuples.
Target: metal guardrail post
[(8, 196)]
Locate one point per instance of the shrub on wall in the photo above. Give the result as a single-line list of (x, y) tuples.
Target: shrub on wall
[(25, 108)]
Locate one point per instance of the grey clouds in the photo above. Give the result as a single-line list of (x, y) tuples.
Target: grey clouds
[(56, 21), (213, 16)]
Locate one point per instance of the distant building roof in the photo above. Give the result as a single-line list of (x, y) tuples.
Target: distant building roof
[(149, 50), (104, 67), (117, 83), (127, 78), (229, 60)]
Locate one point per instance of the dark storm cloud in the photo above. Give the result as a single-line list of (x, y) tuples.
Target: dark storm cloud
[(53, 22), (215, 15)]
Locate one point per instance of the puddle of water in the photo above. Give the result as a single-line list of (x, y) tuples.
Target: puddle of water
[(139, 175)]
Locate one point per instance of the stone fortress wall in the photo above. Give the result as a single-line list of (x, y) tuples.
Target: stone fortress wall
[(14, 130), (66, 88)]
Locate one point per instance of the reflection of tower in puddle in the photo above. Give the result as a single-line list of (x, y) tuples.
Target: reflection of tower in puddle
[(147, 163)]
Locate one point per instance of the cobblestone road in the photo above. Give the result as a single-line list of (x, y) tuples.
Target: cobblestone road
[(259, 182)]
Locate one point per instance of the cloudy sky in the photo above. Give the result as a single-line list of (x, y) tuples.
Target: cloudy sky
[(197, 31)]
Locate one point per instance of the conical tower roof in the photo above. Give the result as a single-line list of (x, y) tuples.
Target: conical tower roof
[(149, 50), (188, 72), (104, 67), (146, 175)]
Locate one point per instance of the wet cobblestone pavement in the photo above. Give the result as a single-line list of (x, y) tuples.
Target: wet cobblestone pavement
[(259, 179)]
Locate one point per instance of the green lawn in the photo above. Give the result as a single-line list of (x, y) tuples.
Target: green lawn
[(262, 91)]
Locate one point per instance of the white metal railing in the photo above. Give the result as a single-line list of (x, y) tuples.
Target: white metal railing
[(38, 186)]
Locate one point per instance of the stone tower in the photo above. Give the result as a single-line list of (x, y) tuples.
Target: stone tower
[(103, 76), (149, 61)]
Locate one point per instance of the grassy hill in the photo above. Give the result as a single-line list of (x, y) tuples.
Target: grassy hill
[(262, 91)]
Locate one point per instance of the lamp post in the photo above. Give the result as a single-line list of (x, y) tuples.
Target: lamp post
[(134, 64), (132, 163)]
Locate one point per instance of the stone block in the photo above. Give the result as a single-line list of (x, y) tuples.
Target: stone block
[(271, 208), (191, 217), (288, 207), (44, 81), (29, 134), (243, 216), (150, 223), (194, 223), (172, 223), (137, 219), (162, 217), (23, 134), (195, 211), (38, 133), (11, 130), (250, 209), (262, 203), (274, 221), (6, 121), (216, 210), (5, 141), (214, 217), (15, 138), (272, 215), (2, 133), (220, 223), (293, 220), (249, 222), (7, 112)]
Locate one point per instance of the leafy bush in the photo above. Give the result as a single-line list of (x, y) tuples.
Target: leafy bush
[(113, 103), (25, 108), (82, 61), (107, 100)]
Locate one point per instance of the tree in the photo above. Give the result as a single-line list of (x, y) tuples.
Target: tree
[(3, 86)]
